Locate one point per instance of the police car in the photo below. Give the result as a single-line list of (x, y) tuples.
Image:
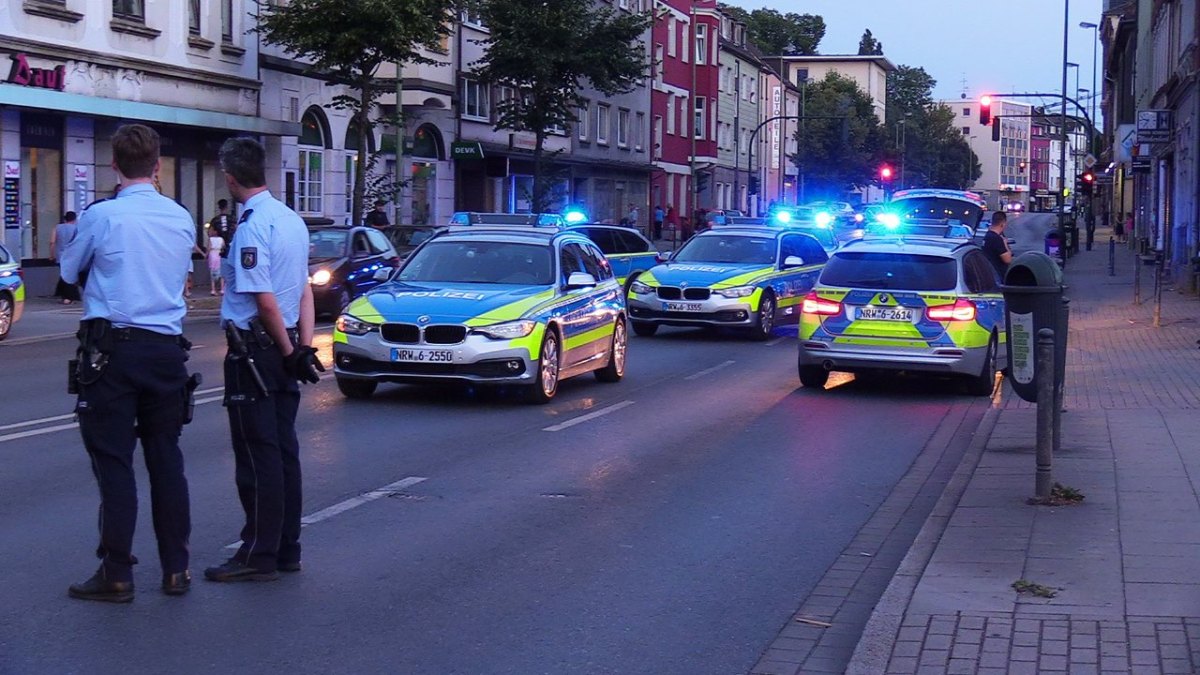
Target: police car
[(916, 304), (740, 277), (497, 306), (12, 291), (627, 250), (913, 211)]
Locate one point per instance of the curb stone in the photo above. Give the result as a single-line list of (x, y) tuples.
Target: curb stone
[(874, 649)]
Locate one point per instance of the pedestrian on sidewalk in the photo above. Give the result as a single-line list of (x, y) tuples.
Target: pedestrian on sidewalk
[(222, 225), (1119, 227), (132, 381), (216, 244), (267, 312), (659, 216), (995, 244), (632, 216), (377, 216), (62, 235)]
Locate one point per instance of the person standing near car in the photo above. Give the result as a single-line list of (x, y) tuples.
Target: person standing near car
[(267, 313), (378, 217), (995, 244), (132, 382)]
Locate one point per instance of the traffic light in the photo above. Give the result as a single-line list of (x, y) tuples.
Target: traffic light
[(996, 128), (1085, 182), (1022, 165), (754, 185), (885, 173), (985, 110)]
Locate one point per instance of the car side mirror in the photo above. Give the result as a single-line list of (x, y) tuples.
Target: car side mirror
[(793, 261), (662, 257), (580, 280), (382, 274)]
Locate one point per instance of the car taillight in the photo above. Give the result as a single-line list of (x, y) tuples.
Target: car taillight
[(815, 304), (961, 310)]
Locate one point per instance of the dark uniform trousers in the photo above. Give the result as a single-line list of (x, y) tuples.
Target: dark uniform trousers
[(141, 395), (267, 457)]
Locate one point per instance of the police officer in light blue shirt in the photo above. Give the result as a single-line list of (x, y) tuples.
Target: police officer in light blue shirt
[(268, 316), (131, 379)]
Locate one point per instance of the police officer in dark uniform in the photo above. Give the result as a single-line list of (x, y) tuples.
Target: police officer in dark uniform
[(268, 317), (131, 380)]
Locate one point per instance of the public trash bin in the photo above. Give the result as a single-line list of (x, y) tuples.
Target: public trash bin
[(1052, 244), (1033, 300)]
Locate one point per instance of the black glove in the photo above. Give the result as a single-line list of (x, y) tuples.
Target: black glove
[(303, 364)]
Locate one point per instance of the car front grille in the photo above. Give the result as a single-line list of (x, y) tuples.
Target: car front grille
[(669, 293), (400, 333), (695, 293), (445, 335), (673, 293)]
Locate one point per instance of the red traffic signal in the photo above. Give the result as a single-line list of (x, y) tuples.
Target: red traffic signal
[(985, 110), (885, 172), (1088, 177)]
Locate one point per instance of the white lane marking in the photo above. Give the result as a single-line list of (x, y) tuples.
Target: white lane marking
[(354, 502), (37, 432), (709, 371), (34, 423), (777, 340), (35, 339), (590, 416)]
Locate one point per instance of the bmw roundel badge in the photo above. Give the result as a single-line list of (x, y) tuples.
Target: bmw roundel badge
[(423, 319)]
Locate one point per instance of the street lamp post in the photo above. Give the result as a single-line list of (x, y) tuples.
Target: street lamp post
[(1095, 93), (1062, 148)]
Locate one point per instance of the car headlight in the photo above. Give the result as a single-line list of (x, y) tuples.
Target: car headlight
[(354, 326), (639, 288), (508, 330), (735, 292), (321, 277)]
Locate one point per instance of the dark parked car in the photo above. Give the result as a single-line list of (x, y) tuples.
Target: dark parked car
[(342, 262), (406, 238)]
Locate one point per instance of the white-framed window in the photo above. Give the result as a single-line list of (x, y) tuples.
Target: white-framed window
[(658, 137), (351, 172), (671, 115), (227, 21), (581, 124), (622, 128), (476, 101), (672, 31), (603, 113), (701, 44), (474, 18), (133, 10), (639, 131), (658, 62), (685, 41), (310, 182), (193, 17), (698, 124), (683, 111)]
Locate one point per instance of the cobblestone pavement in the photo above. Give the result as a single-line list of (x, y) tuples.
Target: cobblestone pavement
[(1123, 567)]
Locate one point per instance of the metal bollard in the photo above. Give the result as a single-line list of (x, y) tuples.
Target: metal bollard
[(1047, 408), (1112, 257)]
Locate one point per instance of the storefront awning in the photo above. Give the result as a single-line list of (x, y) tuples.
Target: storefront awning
[(76, 104)]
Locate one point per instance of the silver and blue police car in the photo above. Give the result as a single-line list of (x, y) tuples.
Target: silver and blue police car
[(12, 291), (739, 277), (525, 307)]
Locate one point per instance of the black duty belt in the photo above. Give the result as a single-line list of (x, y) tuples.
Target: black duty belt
[(250, 338), (142, 335)]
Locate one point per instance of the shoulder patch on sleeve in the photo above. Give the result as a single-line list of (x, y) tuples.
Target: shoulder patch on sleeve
[(249, 257)]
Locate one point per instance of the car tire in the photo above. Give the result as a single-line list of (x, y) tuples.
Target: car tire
[(549, 368), (7, 312), (983, 383), (615, 370), (355, 388), (764, 321), (813, 377), (644, 328)]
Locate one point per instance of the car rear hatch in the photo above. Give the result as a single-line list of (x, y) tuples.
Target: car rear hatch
[(882, 297)]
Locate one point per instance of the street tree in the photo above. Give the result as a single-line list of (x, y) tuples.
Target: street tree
[(923, 137), (346, 44), (841, 142), (779, 34), (868, 45), (545, 52)]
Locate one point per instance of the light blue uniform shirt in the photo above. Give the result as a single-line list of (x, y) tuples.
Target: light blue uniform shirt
[(269, 254), (138, 248)]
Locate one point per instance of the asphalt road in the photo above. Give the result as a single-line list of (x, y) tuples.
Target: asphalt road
[(670, 523)]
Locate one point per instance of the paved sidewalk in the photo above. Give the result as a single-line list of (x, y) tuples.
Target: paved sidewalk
[(1124, 564)]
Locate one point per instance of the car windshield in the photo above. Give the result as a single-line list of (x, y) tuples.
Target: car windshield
[(890, 271), (480, 262), (821, 234), (741, 250), (327, 243), (410, 236), (937, 208)]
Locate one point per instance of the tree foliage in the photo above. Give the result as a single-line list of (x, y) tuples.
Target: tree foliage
[(923, 137), (545, 52), (778, 34), (347, 42), (868, 45), (836, 156)]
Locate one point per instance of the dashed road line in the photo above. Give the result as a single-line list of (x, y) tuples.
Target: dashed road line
[(590, 416), (354, 502), (709, 371)]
